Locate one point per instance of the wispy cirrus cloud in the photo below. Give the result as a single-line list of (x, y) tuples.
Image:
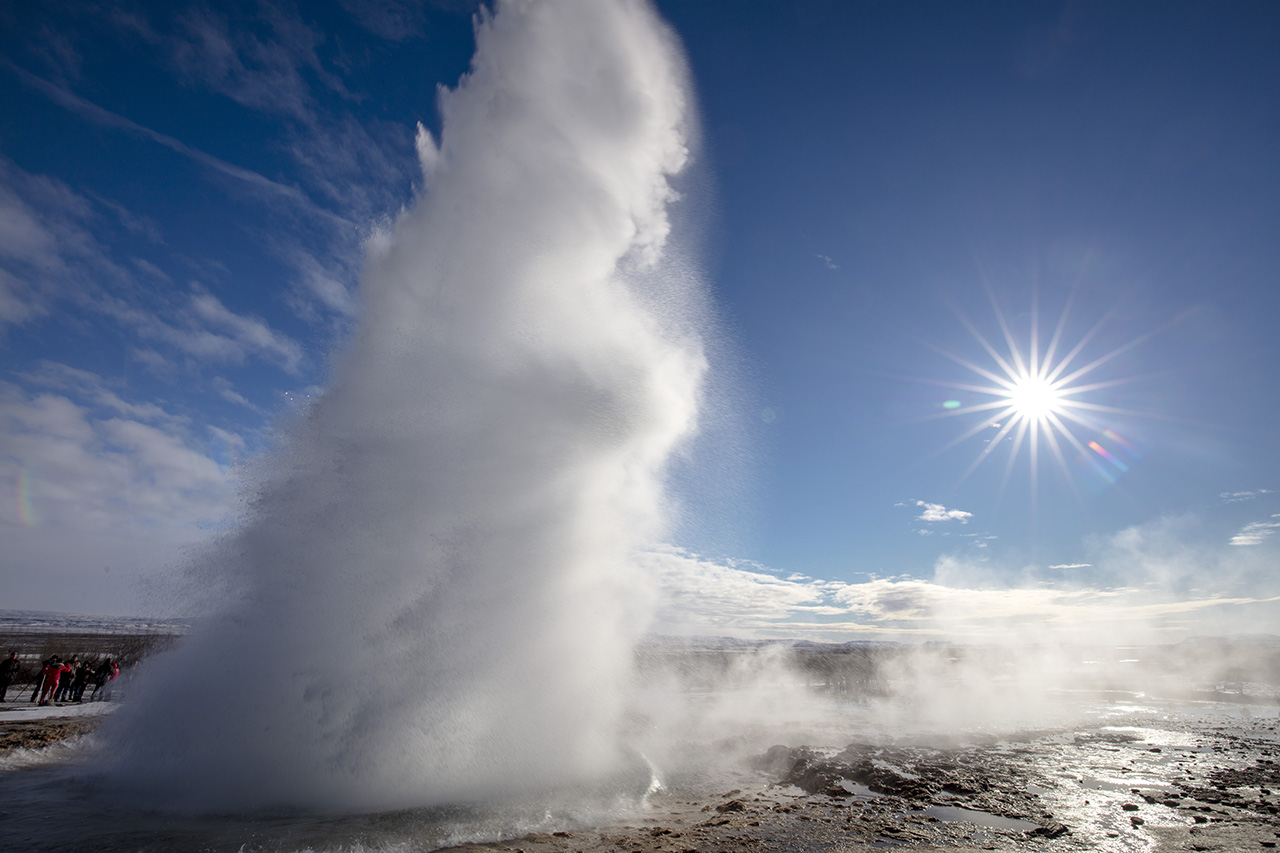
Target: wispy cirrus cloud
[(46, 246), (1257, 532), (261, 62), (1241, 497), (348, 173), (359, 180), (206, 330), (228, 392), (246, 177), (251, 333), (93, 389)]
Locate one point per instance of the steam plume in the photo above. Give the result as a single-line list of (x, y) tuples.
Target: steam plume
[(435, 583)]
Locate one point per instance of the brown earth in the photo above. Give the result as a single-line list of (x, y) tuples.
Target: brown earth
[(33, 734)]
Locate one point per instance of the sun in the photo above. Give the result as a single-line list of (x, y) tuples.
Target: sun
[(1038, 396), (1034, 398)]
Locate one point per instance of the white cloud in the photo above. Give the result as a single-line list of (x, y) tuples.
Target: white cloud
[(228, 392), (22, 236), (48, 256), (395, 20), (1255, 533), (1239, 497), (94, 389), (1073, 566), (154, 361), (16, 302), (1144, 599), (97, 490), (252, 333), (209, 331), (44, 245), (703, 596), (938, 512), (330, 284), (256, 182), (83, 472), (364, 168), (260, 73), (151, 270)]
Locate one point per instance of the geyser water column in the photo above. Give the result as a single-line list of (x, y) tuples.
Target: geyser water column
[(434, 590)]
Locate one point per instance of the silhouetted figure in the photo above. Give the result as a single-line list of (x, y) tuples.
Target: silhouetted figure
[(35, 692), (63, 691), (106, 671), (83, 672), (8, 672)]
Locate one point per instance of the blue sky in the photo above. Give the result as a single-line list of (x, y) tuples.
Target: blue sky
[(185, 190)]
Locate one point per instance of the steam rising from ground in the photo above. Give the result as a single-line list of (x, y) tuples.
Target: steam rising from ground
[(436, 599)]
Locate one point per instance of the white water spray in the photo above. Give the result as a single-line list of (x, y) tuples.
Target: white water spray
[(437, 594)]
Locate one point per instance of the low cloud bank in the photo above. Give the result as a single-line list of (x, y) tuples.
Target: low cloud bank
[(1150, 583), (106, 492)]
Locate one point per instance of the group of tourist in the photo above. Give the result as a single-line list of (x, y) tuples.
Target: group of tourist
[(61, 681)]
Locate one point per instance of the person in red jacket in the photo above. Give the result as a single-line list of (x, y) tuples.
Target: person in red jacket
[(52, 673)]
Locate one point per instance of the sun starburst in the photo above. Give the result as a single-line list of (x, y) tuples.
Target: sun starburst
[(1040, 395)]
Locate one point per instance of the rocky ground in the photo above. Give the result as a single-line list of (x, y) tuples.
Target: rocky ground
[(1167, 787), (1162, 783)]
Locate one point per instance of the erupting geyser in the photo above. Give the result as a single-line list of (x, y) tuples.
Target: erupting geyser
[(434, 598)]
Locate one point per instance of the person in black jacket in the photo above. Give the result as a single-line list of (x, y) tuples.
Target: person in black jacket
[(81, 679), (63, 693), (8, 672)]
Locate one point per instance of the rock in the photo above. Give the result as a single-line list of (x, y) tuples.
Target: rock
[(732, 806), (776, 761), (1049, 829), (814, 775)]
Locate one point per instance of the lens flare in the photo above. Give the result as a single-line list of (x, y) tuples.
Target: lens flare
[(1035, 394)]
